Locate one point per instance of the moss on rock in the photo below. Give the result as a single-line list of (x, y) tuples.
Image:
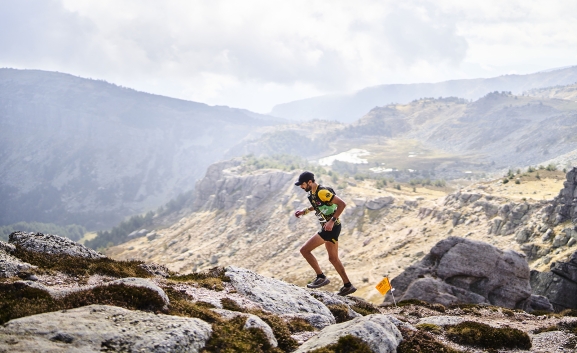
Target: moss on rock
[(485, 336)]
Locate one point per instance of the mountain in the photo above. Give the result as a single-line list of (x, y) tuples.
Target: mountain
[(75, 150), (349, 107)]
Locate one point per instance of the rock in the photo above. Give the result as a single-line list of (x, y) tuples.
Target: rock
[(563, 207), (252, 321), (376, 330), (379, 203), (441, 320), (559, 285), (560, 239), (434, 290), (7, 248), (156, 269), (143, 283), (523, 235), (459, 271), (97, 328), (276, 296), (11, 266), (52, 244), (329, 298), (536, 302)]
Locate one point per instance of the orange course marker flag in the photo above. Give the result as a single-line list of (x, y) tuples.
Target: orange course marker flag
[(384, 286)]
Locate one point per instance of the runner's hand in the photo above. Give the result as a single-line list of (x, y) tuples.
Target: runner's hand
[(329, 226), (299, 213)]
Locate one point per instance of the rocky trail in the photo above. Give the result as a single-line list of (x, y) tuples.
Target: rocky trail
[(58, 296)]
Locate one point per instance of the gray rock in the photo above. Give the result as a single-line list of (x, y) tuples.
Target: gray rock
[(559, 285), (10, 266), (379, 203), (275, 296), (441, 320), (95, 328), (329, 298), (459, 270), (7, 248), (252, 321), (143, 283), (560, 239), (52, 244), (156, 269), (376, 330)]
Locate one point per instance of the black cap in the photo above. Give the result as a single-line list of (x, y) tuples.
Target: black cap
[(304, 177)]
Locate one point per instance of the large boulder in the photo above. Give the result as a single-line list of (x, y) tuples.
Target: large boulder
[(97, 328), (377, 330), (276, 296), (458, 271), (559, 285), (52, 244)]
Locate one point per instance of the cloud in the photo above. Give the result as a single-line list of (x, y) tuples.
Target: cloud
[(257, 53)]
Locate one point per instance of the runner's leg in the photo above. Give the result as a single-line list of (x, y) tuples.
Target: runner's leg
[(314, 242), (333, 250)]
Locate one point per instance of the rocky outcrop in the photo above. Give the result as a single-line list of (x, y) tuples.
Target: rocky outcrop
[(379, 203), (278, 297), (52, 244), (559, 285), (564, 206), (11, 266), (222, 188), (458, 271), (377, 330), (97, 328)]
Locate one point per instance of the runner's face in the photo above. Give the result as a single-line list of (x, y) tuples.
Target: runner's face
[(306, 187)]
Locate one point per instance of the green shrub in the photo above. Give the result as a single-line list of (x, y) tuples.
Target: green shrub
[(505, 181), (299, 325), (212, 279), (363, 307), (530, 169), (436, 329), (346, 344), (421, 342), (569, 312), (19, 300), (340, 312), (230, 336), (508, 312), (551, 167), (230, 304), (546, 329), (485, 336), (77, 266), (517, 181)]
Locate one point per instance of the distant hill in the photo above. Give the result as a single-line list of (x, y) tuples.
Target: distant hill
[(349, 107), (75, 150)]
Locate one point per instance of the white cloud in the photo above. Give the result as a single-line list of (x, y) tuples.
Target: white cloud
[(254, 54)]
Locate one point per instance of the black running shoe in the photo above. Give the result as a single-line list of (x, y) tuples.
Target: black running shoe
[(347, 290), (318, 282)]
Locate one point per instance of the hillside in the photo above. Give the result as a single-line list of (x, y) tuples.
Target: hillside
[(88, 152), (349, 107), (245, 217), (444, 138)]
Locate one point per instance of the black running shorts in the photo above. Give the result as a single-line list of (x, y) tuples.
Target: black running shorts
[(333, 235)]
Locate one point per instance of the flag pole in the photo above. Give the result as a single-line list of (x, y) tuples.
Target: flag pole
[(394, 301)]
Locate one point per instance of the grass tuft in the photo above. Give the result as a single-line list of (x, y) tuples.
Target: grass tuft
[(346, 344), (340, 312), (363, 307), (78, 266), (436, 329), (212, 279), (485, 336), (299, 325), (421, 342), (19, 300)]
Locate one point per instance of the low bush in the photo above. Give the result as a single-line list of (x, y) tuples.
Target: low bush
[(436, 329), (363, 307), (340, 312), (19, 300), (421, 342), (437, 307), (78, 266), (299, 325), (346, 344), (212, 279), (485, 336)]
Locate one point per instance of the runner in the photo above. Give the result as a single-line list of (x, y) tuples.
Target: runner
[(327, 207)]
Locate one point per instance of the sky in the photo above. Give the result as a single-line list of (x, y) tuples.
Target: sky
[(256, 54)]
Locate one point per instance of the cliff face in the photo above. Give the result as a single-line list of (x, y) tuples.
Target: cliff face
[(88, 152)]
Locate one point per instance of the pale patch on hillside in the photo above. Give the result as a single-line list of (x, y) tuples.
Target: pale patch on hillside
[(374, 242)]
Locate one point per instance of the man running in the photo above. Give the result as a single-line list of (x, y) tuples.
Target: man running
[(328, 207)]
